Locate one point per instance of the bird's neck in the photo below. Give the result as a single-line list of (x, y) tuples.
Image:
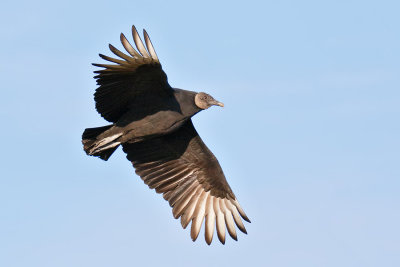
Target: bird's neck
[(185, 99)]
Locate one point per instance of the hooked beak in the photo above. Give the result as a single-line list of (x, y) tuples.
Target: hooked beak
[(217, 103)]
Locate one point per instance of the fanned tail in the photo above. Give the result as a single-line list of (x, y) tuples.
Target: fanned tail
[(99, 147)]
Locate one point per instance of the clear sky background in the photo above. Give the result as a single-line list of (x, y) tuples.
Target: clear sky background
[(308, 139)]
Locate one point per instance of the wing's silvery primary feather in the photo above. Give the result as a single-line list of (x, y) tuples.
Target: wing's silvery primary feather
[(184, 170)]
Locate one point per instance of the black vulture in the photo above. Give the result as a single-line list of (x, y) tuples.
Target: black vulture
[(152, 122)]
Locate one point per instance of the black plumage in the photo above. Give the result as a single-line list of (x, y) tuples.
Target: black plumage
[(152, 122)]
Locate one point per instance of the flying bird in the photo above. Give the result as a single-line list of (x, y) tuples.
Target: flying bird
[(152, 122)]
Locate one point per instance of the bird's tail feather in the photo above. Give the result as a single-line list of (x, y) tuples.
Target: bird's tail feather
[(99, 147)]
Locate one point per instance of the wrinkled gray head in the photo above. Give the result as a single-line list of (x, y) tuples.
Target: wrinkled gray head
[(204, 101)]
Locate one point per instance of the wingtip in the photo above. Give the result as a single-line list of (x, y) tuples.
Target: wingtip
[(183, 223), (134, 32), (208, 239), (194, 233), (241, 211), (150, 46), (121, 37), (112, 48), (234, 238), (242, 228), (145, 34), (139, 43), (221, 237)]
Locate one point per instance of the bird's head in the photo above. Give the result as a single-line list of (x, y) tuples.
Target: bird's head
[(204, 101)]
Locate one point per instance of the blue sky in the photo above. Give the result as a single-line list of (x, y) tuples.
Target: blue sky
[(308, 139)]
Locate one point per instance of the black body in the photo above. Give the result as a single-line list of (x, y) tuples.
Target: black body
[(152, 122)]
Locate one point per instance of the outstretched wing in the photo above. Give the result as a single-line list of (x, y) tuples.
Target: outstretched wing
[(184, 170), (136, 79)]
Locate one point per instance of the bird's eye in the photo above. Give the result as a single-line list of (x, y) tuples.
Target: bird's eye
[(205, 97)]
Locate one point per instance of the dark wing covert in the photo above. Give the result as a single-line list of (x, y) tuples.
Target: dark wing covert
[(184, 170)]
